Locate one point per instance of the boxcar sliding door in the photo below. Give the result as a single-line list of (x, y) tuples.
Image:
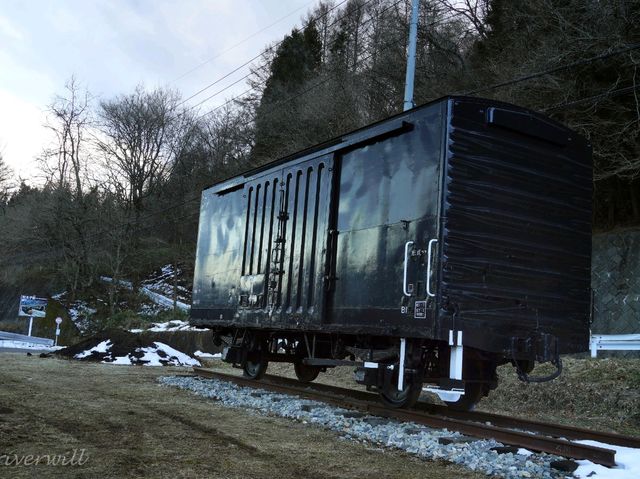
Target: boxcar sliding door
[(285, 245), (385, 228)]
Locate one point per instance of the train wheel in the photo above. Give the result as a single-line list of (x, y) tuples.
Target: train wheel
[(255, 369), (473, 392), (482, 371), (406, 398), (256, 363), (305, 373)]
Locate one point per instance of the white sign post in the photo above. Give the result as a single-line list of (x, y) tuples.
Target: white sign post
[(30, 324), (58, 323)]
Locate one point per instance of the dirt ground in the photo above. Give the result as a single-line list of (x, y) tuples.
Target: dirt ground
[(126, 425)]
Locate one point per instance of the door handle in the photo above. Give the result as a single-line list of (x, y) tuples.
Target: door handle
[(407, 245), (431, 243)]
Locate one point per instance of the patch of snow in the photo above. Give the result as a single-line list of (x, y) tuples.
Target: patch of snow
[(120, 282), (524, 452), (163, 284), (627, 464), (152, 309), (150, 357), (178, 358), (122, 360), (136, 331), (80, 313), (163, 300), (174, 325), (200, 354), (12, 344), (159, 354), (101, 348)]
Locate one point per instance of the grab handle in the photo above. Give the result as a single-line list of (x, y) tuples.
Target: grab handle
[(431, 243), (407, 245)]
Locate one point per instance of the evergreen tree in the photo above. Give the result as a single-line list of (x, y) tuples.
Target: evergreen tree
[(279, 115)]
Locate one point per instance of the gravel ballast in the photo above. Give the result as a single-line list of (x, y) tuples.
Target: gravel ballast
[(425, 442)]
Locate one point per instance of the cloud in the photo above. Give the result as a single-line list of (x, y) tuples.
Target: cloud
[(9, 30), (22, 135), (113, 46)]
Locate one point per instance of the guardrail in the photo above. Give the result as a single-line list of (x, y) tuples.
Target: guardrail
[(6, 336), (614, 342)]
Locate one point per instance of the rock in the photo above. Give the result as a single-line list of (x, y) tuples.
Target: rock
[(505, 449), (376, 421), (310, 407), (564, 465), (354, 414), (456, 440)]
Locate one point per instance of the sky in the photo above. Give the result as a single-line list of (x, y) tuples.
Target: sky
[(110, 46)]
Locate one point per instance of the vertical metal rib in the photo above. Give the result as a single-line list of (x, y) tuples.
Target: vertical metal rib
[(314, 236), (246, 232)]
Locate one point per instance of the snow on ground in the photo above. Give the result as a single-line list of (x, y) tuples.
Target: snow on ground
[(102, 347), (10, 344), (152, 309), (173, 325), (162, 283), (80, 313), (163, 300), (200, 354), (119, 282), (159, 354), (627, 461), (177, 358)]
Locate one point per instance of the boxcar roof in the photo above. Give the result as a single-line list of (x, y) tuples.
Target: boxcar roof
[(344, 140)]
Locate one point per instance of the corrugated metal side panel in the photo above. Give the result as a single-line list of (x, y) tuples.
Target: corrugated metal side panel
[(283, 242), (516, 232), (305, 190)]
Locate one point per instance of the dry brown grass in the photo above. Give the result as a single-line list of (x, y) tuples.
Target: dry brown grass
[(594, 393), (132, 427)]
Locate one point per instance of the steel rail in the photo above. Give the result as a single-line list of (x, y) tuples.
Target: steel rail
[(473, 424)]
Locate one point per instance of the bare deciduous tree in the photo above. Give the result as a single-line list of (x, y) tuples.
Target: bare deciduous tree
[(137, 138), (65, 163), (5, 181)]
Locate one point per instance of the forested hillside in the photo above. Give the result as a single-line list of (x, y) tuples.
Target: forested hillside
[(124, 177)]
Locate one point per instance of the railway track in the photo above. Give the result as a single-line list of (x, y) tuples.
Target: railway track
[(534, 435)]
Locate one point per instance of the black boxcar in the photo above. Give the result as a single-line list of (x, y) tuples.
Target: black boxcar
[(425, 248)]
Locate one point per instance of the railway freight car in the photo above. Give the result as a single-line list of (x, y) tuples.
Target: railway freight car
[(423, 250)]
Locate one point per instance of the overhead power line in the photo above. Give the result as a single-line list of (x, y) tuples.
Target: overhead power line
[(549, 71), (600, 96), (248, 62), (249, 90), (253, 35)]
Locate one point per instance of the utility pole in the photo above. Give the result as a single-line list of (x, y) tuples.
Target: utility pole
[(411, 56)]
